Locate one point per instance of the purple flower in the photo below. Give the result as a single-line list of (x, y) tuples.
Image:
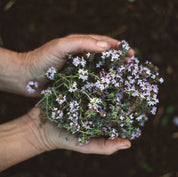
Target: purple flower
[(83, 74), (61, 99), (77, 61), (74, 106), (32, 86), (50, 74), (99, 64), (153, 110), (47, 91), (94, 104), (56, 113)]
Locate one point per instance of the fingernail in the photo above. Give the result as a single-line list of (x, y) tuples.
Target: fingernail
[(124, 147), (102, 44)]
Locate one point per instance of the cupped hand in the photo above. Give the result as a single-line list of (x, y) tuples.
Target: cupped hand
[(50, 137), (55, 52)]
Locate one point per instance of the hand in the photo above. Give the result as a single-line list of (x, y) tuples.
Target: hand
[(50, 137), (54, 53), (23, 138)]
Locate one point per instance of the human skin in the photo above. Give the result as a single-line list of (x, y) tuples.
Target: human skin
[(23, 138)]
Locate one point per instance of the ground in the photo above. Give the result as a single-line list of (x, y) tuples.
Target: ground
[(151, 29)]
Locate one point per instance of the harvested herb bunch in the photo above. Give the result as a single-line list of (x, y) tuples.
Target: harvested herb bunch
[(101, 95)]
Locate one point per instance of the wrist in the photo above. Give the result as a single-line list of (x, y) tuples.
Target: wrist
[(14, 71), (22, 139)]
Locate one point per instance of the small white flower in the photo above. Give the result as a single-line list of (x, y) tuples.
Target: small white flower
[(153, 76), (94, 103), (61, 99), (47, 91), (73, 87), (83, 74), (83, 62), (161, 80), (95, 100), (98, 65), (125, 45), (121, 117), (76, 61), (88, 55), (74, 106), (153, 110), (114, 57), (141, 117), (56, 113), (51, 73)]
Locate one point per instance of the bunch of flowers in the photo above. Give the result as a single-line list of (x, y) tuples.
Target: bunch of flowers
[(101, 95)]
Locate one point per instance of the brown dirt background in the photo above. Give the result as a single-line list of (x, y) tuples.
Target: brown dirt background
[(151, 28)]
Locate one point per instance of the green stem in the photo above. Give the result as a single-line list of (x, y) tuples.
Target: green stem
[(39, 101), (94, 75), (85, 94)]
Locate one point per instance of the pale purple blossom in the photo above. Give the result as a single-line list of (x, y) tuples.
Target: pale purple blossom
[(76, 61), (56, 113), (50, 73), (83, 74), (79, 61), (75, 126), (88, 55), (95, 104), (32, 86), (113, 134), (46, 91), (135, 134), (61, 99), (99, 64), (74, 106)]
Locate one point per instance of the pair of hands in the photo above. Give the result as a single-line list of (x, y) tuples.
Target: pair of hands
[(34, 63)]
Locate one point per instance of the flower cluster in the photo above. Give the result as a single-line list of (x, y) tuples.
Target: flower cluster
[(102, 95)]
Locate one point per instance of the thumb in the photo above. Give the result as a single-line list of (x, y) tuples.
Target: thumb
[(103, 146), (81, 44)]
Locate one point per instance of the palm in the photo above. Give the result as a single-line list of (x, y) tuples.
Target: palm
[(58, 138)]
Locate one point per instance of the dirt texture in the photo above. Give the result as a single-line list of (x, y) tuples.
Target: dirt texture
[(151, 28)]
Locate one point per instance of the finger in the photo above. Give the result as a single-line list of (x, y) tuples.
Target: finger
[(103, 146), (113, 42), (127, 59), (72, 45), (130, 53), (60, 139)]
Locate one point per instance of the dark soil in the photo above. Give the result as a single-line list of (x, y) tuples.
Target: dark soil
[(151, 28)]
